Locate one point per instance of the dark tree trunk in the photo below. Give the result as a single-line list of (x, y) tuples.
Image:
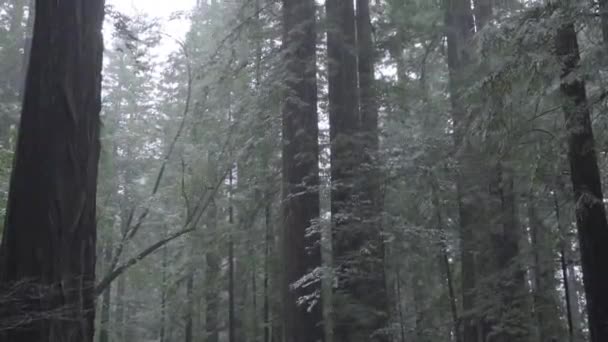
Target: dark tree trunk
[(604, 20), (545, 294), (513, 308), (344, 121), (571, 297), (460, 27), (301, 232), (590, 212), (47, 256), (374, 281), (483, 13)]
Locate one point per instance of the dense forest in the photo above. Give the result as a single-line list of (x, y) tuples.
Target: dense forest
[(304, 171)]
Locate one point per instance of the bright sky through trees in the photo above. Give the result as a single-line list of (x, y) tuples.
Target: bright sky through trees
[(162, 9)]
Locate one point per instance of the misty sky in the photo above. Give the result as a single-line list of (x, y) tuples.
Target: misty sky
[(161, 9)]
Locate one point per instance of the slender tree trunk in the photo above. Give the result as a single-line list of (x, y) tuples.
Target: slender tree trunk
[(120, 321), (301, 230), (514, 306), (460, 27), (48, 246), (603, 4), (231, 294), (590, 212), (163, 296), (104, 334), (483, 13), (254, 304), (267, 244), (188, 329), (545, 295), (400, 306), (211, 281), (445, 262), (573, 309)]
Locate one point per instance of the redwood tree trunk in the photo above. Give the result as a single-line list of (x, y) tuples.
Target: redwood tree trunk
[(47, 256), (301, 233), (370, 179), (344, 127), (590, 212)]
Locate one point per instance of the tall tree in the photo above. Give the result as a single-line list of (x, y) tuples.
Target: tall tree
[(301, 235), (47, 256), (350, 321), (460, 27), (369, 189), (585, 176)]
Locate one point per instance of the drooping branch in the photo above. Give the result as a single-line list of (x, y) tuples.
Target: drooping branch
[(189, 225)]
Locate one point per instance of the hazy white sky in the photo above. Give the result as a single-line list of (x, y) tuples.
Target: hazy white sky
[(158, 8), (161, 9)]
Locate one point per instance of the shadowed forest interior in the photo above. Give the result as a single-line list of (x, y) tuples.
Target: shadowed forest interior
[(304, 171)]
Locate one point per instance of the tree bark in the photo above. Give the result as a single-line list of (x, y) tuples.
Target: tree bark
[(266, 281), (231, 262), (48, 249), (352, 311), (369, 177), (163, 296), (603, 5), (483, 13), (301, 231), (188, 328), (104, 334), (460, 27), (211, 280), (586, 182), (545, 294), (514, 306), (445, 261)]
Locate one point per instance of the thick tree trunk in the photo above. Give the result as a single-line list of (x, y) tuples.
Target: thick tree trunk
[(47, 256), (370, 208), (590, 212), (354, 319), (301, 231)]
